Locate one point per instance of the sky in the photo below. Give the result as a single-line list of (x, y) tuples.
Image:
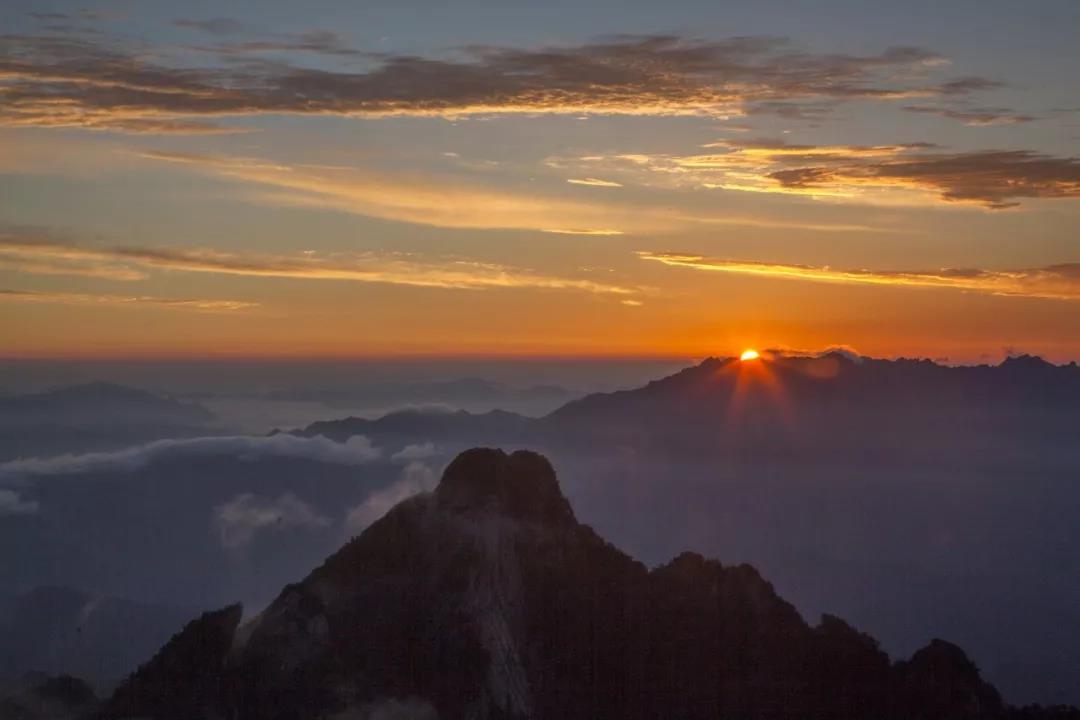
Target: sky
[(688, 178)]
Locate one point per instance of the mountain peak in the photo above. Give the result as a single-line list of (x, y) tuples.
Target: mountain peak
[(1025, 361), (521, 485)]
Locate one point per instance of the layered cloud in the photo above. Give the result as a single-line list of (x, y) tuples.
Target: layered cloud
[(97, 300), (1059, 282), (63, 81), (37, 254), (904, 173), (975, 116), (357, 450), (449, 204), (423, 201)]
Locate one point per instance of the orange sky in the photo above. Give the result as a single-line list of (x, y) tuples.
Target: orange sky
[(906, 193)]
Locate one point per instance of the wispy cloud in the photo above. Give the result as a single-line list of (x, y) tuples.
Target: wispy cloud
[(416, 477), (91, 299), (906, 173), (594, 182), (323, 42), (369, 268), (978, 117), (357, 450), (428, 201), (66, 81), (422, 201), (242, 518), (1058, 282), (12, 503)]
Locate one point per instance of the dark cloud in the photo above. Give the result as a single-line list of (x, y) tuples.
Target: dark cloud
[(791, 110), (993, 178), (51, 81), (325, 42), (975, 116), (963, 86)]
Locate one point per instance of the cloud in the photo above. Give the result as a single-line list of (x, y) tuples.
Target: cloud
[(65, 81), (594, 182), (846, 350), (416, 478), (95, 300), (426, 202), (1058, 282), (991, 178), (239, 520), (357, 450), (390, 269), (450, 204), (11, 503), (978, 117), (325, 42), (900, 173), (410, 453)]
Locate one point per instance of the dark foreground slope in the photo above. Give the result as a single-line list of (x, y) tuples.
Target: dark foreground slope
[(487, 599)]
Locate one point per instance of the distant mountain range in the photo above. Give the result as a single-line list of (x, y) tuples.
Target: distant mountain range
[(783, 403), (93, 416), (473, 394), (488, 599), (914, 497), (916, 500)]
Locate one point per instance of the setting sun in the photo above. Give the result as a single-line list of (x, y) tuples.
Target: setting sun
[(750, 354)]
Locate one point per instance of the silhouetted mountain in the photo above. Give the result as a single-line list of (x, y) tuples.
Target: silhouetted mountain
[(57, 630), (781, 405), (99, 402), (786, 405), (917, 498), (488, 599), (93, 416), (459, 426), (476, 395)]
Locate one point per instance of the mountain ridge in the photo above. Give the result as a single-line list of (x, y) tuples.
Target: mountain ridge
[(486, 598)]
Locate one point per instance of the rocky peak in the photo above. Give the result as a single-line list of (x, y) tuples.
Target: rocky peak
[(521, 485)]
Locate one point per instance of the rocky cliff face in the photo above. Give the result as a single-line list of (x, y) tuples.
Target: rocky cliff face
[(487, 599)]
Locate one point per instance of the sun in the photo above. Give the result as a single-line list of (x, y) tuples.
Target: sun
[(749, 354)]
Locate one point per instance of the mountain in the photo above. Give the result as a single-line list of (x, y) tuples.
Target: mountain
[(488, 599), (456, 427), (93, 416), (914, 498), (99, 402), (799, 405), (473, 394), (784, 405)]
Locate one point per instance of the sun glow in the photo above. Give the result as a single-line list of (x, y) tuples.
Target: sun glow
[(749, 354)]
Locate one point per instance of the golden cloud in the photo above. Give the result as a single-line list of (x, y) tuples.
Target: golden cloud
[(65, 298), (909, 173), (368, 268), (67, 81), (1057, 282), (424, 202)]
